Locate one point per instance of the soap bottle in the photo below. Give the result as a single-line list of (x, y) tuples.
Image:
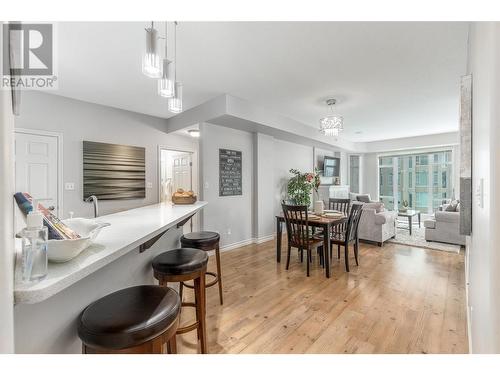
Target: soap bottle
[(34, 247)]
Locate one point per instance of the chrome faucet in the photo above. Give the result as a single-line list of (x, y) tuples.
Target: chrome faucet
[(93, 199)]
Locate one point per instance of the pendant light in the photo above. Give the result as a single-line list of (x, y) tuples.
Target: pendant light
[(332, 124), (175, 103), (166, 86), (151, 62)]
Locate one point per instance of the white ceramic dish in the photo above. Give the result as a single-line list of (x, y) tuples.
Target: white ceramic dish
[(60, 251)]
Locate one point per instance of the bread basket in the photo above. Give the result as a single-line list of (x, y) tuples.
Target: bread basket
[(183, 197)]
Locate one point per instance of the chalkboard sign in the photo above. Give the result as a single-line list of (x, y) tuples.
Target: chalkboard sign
[(229, 172)]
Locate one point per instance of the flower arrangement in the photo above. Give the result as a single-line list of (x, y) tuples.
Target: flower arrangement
[(300, 186)]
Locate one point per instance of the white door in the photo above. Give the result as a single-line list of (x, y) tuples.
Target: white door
[(181, 171), (36, 167)]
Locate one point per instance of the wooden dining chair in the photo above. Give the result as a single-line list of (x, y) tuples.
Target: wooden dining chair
[(349, 235), (299, 233), (342, 205)]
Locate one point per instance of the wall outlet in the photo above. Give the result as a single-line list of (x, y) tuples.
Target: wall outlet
[(205, 185), (228, 231), (149, 185), (69, 186)]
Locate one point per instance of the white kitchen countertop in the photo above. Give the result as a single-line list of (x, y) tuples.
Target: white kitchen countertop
[(128, 230)]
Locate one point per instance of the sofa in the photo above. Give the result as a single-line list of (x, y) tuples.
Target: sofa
[(376, 223), (444, 227)]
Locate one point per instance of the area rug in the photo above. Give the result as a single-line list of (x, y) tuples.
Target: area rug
[(417, 238)]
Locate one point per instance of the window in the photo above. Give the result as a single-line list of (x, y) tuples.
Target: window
[(421, 200), (443, 180), (354, 173), (421, 160), (423, 180)]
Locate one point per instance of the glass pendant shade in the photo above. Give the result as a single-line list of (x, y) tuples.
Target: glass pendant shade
[(175, 103), (331, 125), (166, 87), (151, 61)]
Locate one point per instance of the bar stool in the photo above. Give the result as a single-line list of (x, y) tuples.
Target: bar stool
[(205, 241), (181, 265), (140, 319)]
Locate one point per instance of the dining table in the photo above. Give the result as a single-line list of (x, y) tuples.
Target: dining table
[(324, 222)]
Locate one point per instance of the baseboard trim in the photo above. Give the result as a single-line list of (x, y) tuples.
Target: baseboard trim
[(249, 241), (264, 239)]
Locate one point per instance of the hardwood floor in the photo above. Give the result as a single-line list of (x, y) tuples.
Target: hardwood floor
[(399, 300)]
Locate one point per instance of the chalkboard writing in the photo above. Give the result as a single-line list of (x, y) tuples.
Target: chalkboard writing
[(229, 172)]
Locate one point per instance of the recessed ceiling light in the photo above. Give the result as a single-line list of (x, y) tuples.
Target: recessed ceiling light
[(358, 132), (195, 133)]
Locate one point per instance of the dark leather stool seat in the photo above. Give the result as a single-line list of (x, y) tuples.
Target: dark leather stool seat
[(129, 317), (201, 240), (206, 241), (180, 261), (180, 265)]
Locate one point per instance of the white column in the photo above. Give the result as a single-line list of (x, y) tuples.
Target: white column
[(264, 189), (6, 222)]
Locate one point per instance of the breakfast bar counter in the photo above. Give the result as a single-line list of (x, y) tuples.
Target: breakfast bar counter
[(128, 230)]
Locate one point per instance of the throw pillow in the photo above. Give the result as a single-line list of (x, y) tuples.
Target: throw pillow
[(452, 207), (377, 206), (365, 198)]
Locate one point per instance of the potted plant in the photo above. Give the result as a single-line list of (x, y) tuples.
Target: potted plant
[(301, 185)]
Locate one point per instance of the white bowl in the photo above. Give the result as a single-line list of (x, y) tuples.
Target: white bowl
[(59, 251)]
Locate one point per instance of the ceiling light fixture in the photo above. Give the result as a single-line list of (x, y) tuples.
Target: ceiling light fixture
[(195, 133), (151, 66), (166, 86), (332, 124), (175, 102)]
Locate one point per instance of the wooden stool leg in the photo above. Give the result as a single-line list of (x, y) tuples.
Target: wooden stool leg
[(181, 288), (199, 290), (172, 345), (219, 273)]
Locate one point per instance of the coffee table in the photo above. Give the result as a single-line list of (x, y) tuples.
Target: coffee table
[(410, 214)]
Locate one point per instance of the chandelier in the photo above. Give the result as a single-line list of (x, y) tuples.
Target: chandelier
[(332, 124)]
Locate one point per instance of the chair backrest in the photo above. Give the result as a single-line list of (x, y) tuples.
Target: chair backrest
[(353, 221), (339, 204), (297, 226), (342, 205)]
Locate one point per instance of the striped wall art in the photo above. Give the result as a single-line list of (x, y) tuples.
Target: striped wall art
[(113, 171)]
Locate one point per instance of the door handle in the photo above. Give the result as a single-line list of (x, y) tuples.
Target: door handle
[(51, 208)]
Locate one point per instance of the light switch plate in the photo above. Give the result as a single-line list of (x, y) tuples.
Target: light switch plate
[(69, 186), (149, 185), (480, 193)]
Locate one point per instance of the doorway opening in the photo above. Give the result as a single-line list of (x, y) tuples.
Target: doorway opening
[(176, 172)]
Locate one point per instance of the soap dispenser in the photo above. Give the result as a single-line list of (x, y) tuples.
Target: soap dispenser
[(34, 247)]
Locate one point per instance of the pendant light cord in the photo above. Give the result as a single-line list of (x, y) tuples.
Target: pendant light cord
[(175, 52), (166, 40)]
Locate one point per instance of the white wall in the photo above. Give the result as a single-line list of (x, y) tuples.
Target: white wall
[(232, 214), (79, 121), (286, 156), (6, 225), (263, 186), (409, 143), (482, 253)]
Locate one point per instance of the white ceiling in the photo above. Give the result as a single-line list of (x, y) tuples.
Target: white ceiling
[(391, 80)]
